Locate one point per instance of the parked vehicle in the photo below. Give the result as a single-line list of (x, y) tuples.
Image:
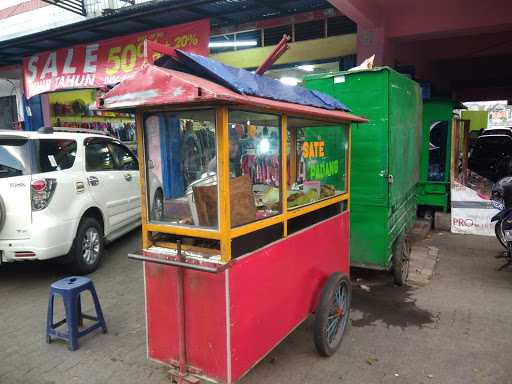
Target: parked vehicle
[(502, 198), (491, 156), (497, 131), (64, 193)]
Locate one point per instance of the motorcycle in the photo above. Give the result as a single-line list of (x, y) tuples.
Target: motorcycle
[(502, 199)]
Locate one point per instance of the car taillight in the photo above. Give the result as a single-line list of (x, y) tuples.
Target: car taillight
[(41, 191)]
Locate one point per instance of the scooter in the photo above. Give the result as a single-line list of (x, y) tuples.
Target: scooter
[(502, 199)]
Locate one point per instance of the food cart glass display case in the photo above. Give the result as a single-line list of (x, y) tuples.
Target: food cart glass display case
[(248, 233)]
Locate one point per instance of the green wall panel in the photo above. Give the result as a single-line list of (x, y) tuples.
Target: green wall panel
[(389, 144)]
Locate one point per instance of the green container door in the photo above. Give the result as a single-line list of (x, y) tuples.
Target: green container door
[(385, 157), (434, 187), (405, 137), (369, 141)]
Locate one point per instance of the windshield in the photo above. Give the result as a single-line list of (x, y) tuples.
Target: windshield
[(14, 157), (20, 156), (492, 157)]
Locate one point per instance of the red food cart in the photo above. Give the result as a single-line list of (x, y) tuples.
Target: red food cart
[(245, 213)]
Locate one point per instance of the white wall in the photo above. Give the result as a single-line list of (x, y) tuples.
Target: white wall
[(49, 17), (35, 21), (10, 3)]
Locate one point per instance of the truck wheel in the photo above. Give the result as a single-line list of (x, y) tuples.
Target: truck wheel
[(498, 229), (400, 261), (332, 314), (87, 250), (157, 213)]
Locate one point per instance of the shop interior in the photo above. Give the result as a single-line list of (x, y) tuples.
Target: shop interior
[(77, 109)]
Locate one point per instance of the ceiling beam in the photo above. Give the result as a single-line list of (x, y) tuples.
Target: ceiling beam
[(218, 16), (104, 34), (363, 12), (143, 21), (425, 20), (275, 6), (65, 41)]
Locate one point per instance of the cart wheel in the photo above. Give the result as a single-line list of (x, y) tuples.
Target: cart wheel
[(332, 314), (401, 255)]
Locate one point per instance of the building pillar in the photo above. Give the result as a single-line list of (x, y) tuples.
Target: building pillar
[(373, 41), (45, 105)]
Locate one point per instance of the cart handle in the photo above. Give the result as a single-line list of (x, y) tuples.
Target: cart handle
[(175, 263)]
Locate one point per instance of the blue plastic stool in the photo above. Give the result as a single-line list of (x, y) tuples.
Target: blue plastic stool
[(70, 289)]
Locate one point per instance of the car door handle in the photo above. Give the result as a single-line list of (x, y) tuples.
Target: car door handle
[(93, 181), (127, 177)]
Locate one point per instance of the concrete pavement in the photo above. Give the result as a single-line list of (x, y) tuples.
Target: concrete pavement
[(457, 329)]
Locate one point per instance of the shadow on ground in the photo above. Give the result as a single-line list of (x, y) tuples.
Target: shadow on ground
[(377, 298), (53, 269)]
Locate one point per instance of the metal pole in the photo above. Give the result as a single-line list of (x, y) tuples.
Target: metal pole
[(465, 158), (180, 307), (276, 53)]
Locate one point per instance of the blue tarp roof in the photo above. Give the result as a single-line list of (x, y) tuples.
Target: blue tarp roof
[(247, 83)]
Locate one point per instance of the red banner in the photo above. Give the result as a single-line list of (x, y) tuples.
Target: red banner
[(106, 62)]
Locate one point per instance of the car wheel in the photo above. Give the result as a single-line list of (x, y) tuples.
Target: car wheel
[(87, 250), (157, 212), (401, 255)]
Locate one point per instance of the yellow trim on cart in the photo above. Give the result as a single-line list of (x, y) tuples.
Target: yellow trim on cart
[(184, 231), (348, 156), (223, 182), (316, 206), (225, 233), (284, 170), (139, 124), (207, 252), (256, 226), (293, 156)]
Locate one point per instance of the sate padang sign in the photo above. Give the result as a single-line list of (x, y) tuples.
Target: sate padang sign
[(106, 62)]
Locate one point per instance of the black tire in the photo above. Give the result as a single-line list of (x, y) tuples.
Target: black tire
[(332, 314), (157, 210), (3, 213), (499, 234), (400, 260), (81, 262)]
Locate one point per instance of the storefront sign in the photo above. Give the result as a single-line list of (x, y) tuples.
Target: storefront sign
[(106, 62), (322, 150), (501, 117)]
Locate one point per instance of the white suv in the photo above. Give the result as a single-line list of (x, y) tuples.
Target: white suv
[(64, 193)]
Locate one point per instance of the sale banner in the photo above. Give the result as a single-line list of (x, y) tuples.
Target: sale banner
[(106, 62)]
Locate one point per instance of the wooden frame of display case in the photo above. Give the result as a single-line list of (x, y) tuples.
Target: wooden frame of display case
[(225, 234)]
